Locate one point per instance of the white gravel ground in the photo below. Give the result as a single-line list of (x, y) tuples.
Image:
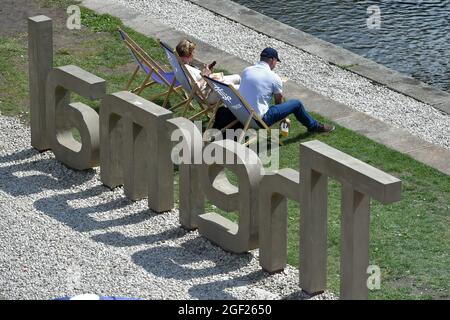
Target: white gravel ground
[(419, 119), (62, 234)]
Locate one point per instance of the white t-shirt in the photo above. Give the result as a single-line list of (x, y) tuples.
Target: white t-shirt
[(258, 85)]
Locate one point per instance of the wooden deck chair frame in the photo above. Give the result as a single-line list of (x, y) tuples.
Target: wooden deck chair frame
[(252, 114), (193, 92), (143, 60)]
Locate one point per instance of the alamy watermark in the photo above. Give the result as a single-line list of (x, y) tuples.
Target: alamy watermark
[(74, 19), (263, 146), (73, 277), (374, 19), (374, 279)]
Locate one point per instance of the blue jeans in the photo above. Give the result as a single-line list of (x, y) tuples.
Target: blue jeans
[(281, 111)]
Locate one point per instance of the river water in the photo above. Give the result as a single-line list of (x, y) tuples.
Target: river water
[(412, 37)]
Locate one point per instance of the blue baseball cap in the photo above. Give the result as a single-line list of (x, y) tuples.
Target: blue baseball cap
[(270, 53)]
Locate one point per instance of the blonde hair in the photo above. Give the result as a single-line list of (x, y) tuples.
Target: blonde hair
[(185, 48)]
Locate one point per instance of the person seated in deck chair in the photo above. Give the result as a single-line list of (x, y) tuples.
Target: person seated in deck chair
[(186, 50), (259, 83)]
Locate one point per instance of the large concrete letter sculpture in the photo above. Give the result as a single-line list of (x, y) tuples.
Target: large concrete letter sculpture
[(132, 141), (135, 149), (247, 167), (40, 62), (273, 193), (360, 181), (192, 200), (62, 116)]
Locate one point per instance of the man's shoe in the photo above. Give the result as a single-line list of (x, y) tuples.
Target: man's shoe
[(322, 128)]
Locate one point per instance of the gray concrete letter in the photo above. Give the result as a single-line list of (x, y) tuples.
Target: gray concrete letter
[(247, 167), (40, 62), (135, 149), (273, 193), (360, 182), (62, 116), (192, 200)]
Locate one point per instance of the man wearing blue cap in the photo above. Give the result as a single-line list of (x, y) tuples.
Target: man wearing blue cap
[(259, 84)]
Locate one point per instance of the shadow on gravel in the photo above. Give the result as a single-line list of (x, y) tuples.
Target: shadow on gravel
[(19, 155), (207, 260), (218, 289), (20, 175), (297, 295), (117, 239), (79, 219), (31, 177)]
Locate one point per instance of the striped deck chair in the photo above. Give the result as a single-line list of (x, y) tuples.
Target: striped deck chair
[(155, 74), (243, 112), (188, 84)]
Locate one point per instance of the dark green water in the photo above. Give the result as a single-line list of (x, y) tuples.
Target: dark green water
[(413, 38)]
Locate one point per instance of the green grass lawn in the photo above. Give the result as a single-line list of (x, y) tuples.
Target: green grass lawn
[(410, 240)]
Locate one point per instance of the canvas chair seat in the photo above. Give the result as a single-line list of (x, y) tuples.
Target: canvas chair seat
[(155, 74), (165, 76), (240, 108)]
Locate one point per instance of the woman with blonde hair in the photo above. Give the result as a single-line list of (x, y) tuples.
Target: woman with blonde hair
[(186, 50)]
